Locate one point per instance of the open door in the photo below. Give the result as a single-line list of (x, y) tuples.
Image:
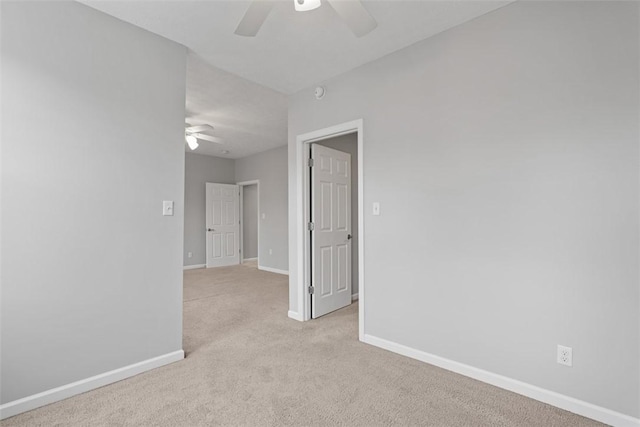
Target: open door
[(331, 230), (223, 224)]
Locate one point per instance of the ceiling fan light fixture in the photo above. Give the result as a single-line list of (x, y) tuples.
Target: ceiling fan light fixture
[(306, 5), (192, 142)]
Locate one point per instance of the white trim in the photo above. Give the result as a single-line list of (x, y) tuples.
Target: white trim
[(302, 214), (558, 400), (194, 266), (273, 270), (249, 259), (241, 185), (294, 315), (354, 297), (59, 393)]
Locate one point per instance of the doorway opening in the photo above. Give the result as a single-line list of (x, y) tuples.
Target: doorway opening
[(249, 222), (352, 132)]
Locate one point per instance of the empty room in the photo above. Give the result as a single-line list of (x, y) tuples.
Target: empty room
[(320, 212)]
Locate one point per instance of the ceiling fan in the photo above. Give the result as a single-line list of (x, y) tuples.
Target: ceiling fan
[(193, 133), (352, 12)]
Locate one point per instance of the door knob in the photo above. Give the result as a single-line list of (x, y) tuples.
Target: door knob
[(349, 236), (210, 229)]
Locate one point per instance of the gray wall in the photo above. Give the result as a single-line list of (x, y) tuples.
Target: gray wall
[(270, 167), (349, 144), (92, 143), (199, 170), (250, 221), (504, 154)]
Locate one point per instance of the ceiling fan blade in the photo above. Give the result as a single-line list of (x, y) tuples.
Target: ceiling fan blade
[(208, 138), (199, 128), (353, 13), (254, 17)]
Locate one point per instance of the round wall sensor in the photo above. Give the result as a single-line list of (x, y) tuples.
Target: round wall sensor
[(320, 91)]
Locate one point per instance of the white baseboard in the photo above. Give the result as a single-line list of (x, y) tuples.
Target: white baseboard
[(354, 297), (194, 266), (561, 401), (59, 393), (295, 316), (249, 259), (273, 270)]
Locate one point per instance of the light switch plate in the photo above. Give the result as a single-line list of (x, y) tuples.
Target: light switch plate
[(167, 208), (376, 208)]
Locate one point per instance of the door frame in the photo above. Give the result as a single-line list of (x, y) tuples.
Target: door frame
[(243, 184), (303, 215)]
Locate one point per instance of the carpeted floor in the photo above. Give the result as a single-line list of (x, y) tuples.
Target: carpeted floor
[(248, 364)]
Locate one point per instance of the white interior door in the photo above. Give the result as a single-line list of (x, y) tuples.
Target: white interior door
[(331, 233), (223, 224)]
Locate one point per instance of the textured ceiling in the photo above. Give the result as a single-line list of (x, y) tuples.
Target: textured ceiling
[(247, 102)]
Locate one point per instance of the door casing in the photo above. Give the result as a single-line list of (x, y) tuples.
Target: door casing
[(303, 216)]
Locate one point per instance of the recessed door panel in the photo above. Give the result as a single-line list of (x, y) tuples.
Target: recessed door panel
[(216, 212), (342, 208), (342, 167), (230, 216), (343, 273), (325, 268), (326, 214), (230, 247), (326, 164), (217, 245)]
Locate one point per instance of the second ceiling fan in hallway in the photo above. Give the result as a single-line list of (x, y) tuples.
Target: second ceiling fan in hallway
[(352, 12)]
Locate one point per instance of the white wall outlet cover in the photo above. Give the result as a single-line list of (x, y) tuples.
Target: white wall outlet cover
[(167, 208), (263, 216), (565, 355), (376, 208)]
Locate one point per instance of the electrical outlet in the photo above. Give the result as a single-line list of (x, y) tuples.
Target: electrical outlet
[(189, 254), (270, 251), (565, 355)]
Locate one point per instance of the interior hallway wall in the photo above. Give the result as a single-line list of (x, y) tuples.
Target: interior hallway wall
[(200, 169), (270, 167), (92, 143), (504, 154)]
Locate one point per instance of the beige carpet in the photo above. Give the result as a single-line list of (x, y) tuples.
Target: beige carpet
[(248, 364), (251, 263)]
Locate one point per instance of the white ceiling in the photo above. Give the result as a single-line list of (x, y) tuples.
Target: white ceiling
[(249, 118), (292, 51)]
